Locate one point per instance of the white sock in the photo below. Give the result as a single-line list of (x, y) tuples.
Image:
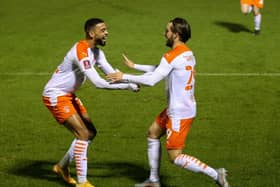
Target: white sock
[(258, 19), (80, 152), (195, 165), (154, 156), (68, 157)]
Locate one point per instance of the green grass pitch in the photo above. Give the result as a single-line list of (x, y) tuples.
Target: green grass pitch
[(237, 91)]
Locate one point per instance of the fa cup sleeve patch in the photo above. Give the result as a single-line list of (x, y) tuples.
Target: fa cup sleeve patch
[(87, 64)]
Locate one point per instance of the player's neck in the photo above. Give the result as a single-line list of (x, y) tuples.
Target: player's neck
[(91, 43), (177, 43)]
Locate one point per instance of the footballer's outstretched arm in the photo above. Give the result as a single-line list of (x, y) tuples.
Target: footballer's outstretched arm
[(140, 67), (149, 79), (99, 82)]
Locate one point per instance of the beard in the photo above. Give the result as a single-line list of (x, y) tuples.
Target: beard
[(169, 42), (100, 42)]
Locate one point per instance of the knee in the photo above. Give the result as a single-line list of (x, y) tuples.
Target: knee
[(245, 12), (82, 134), (256, 13), (86, 134), (172, 158), (173, 154), (91, 129), (91, 134), (152, 134)]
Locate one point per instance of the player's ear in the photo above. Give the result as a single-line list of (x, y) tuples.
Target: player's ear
[(91, 33), (176, 35)]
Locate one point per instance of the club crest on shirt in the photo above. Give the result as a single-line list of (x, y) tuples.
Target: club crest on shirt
[(87, 64)]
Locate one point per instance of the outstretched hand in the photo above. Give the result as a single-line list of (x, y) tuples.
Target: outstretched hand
[(114, 77), (128, 62)]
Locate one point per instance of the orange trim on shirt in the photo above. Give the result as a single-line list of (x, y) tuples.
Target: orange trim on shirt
[(170, 55), (81, 48)]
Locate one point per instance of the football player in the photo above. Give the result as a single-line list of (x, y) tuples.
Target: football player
[(59, 96), (247, 6), (177, 67)]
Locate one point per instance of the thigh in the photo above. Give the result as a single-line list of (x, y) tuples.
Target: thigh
[(155, 131), (82, 111), (79, 107), (68, 110), (61, 107), (76, 125), (245, 8), (158, 127), (89, 125), (177, 131)]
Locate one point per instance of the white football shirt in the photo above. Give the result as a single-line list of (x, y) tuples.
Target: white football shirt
[(177, 67), (77, 65)]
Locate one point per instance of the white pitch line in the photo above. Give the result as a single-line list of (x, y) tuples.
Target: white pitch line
[(239, 74), (198, 74), (26, 74)]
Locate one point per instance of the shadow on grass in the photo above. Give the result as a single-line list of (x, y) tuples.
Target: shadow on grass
[(135, 172), (42, 170), (233, 27)]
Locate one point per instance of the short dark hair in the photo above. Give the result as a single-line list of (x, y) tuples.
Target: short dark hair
[(92, 22), (182, 27)]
